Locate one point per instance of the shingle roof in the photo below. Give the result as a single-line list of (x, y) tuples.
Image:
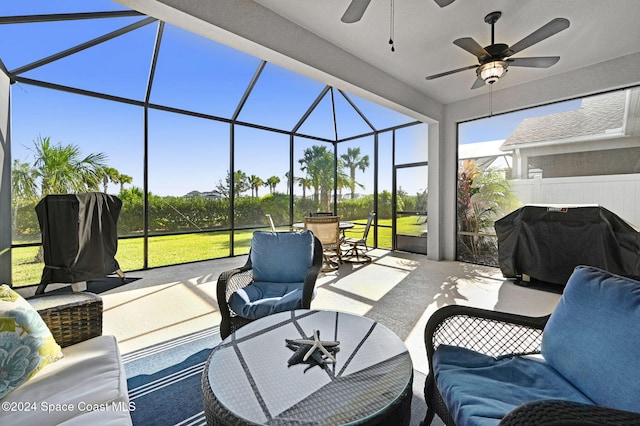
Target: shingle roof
[(596, 115)]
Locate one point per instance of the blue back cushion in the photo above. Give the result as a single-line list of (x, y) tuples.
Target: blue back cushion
[(282, 257), (592, 337)]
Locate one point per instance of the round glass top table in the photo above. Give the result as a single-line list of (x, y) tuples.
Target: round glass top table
[(247, 378)]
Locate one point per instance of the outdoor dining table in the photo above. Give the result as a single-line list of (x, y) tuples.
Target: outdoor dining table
[(248, 379)]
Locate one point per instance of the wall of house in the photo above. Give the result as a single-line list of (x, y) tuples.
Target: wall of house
[(617, 193), (5, 181), (588, 163)]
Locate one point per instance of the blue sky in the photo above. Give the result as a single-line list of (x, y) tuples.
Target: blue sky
[(195, 74)]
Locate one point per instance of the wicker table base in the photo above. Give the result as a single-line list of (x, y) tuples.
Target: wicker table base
[(247, 379)]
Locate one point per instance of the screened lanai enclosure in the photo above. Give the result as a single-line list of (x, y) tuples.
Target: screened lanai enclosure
[(198, 140)]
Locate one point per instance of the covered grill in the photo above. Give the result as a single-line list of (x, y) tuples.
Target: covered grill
[(79, 237), (546, 242)]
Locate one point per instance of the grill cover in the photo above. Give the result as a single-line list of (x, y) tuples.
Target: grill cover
[(548, 242), (79, 236)]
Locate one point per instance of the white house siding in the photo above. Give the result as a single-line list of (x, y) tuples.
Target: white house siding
[(617, 193)]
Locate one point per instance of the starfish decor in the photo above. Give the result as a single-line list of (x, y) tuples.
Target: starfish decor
[(312, 351)]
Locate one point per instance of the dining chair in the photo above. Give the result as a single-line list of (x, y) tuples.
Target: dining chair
[(320, 214), (327, 230), (358, 246), (279, 275)]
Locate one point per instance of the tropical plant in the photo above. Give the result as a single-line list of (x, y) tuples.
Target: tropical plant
[(353, 161), (483, 196)]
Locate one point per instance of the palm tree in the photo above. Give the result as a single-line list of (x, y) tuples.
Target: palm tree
[(272, 182), (23, 187), (288, 178), (124, 179), (240, 184), (61, 169), (23, 181), (320, 164), (255, 182), (323, 168), (304, 183), (309, 164), (353, 161), (110, 174)]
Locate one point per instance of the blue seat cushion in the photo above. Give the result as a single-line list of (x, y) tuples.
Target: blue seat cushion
[(480, 390), (282, 257), (265, 298), (592, 339)]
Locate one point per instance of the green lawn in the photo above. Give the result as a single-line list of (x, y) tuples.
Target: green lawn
[(175, 249)]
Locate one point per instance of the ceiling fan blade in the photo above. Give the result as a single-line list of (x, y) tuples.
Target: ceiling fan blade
[(355, 11), (443, 3), (535, 62), (547, 30), (442, 74), (472, 46), (478, 83)]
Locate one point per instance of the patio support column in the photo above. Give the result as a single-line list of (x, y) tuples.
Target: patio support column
[(436, 190), (5, 179), (376, 170)]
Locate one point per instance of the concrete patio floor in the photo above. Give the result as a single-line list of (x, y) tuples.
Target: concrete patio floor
[(400, 290)]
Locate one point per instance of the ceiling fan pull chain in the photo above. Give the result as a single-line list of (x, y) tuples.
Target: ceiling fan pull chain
[(491, 100), (392, 27)]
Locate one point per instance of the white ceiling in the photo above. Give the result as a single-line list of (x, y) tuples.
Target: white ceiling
[(424, 34)]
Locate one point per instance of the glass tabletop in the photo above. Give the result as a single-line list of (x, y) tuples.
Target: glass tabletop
[(250, 376)]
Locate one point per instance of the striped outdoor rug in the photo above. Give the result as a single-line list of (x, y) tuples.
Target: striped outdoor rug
[(164, 379)]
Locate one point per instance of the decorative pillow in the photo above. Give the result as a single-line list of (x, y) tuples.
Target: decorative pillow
[(261, 299), (281, 257), (26, 344)]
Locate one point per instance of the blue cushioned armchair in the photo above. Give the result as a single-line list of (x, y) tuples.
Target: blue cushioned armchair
[(279, 275), (577, 366)]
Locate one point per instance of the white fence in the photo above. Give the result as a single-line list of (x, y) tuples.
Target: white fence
[(617, 193)]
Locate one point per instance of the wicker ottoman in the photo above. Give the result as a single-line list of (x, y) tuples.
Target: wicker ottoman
[(71, 317)]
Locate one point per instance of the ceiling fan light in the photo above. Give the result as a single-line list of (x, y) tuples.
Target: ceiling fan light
[(492, 71)]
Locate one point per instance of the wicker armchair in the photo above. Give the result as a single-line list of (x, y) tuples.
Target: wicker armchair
[(235, 279), (496, 334)]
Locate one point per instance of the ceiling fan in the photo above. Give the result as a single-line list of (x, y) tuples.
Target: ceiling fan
[(495, 58), (357, 8)]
